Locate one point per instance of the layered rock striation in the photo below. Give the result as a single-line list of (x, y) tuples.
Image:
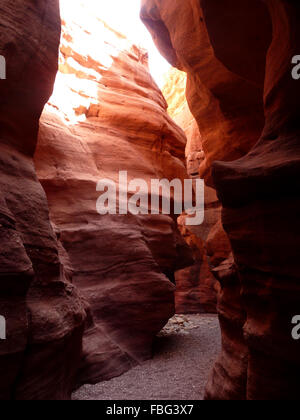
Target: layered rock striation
[(238, 55), (82, 295), (222, 100), (107, 115), (43, 313), (197, 287)]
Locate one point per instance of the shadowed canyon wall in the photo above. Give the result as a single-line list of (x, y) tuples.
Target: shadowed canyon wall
[(44, 314), (196, 286), (107, 115), (83, 295), (239, 81)]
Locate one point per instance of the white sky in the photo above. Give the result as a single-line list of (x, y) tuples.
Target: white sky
[(123, 16)]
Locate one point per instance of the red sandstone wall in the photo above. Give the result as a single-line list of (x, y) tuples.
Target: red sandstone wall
[(233, 82), (107, 115), (196, 286), (44, 314)]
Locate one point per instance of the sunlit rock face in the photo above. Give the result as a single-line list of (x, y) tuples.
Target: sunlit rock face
[(44, 315), (197, 287), (107, 115), (233, 67), (174, 91), (222, 100)]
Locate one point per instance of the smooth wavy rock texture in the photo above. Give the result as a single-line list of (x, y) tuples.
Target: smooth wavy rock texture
[(238, 60), (44, 314), (107, 115), (197, 288)]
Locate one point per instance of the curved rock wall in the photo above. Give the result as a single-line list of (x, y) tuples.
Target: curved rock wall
[(261, 205), (174, 91), (196, 286), (222, 101), (107, 115), (44, 315), (224, 48)]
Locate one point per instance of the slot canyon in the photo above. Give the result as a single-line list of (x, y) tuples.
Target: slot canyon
[(84, 296)]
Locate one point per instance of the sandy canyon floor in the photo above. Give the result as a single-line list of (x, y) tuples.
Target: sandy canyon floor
[(184, 355)]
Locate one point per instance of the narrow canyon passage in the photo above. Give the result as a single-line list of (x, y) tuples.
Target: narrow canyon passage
[(149, 219), (184, 353)]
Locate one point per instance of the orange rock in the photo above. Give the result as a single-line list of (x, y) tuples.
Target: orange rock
[(197, 288), (44, 315), (174, 92), (222, 101), (107, 115), (229, 51), (261, 207)]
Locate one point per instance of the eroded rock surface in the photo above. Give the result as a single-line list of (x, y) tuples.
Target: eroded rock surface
[(44, 315), (174, 91), (107, 115), (260, 215), (222, 101), (223, 46), (197, 287)]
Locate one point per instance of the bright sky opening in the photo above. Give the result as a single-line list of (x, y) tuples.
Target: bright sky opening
[(123, 16)]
